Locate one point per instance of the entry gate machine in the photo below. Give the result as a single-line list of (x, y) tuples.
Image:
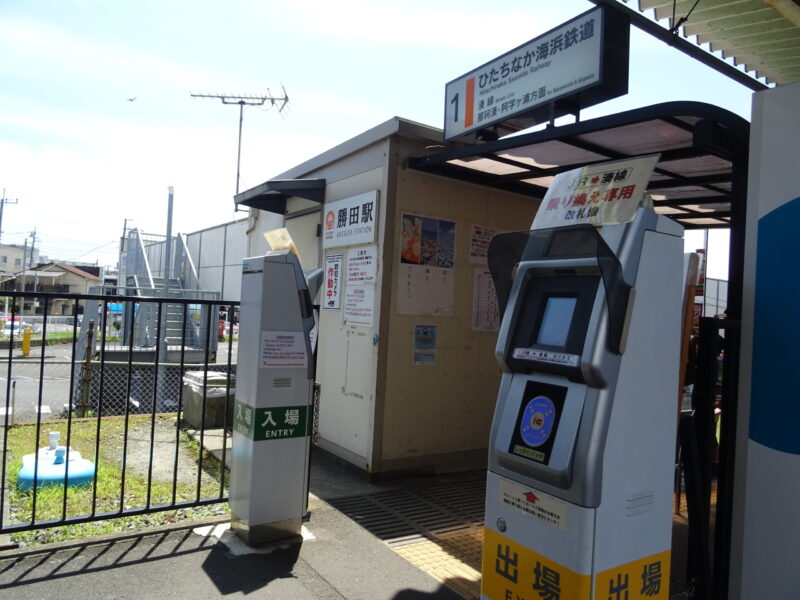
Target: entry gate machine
[(274, 387), (582, 447)]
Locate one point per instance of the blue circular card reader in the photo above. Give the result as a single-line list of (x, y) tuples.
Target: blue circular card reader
[(537, 421)]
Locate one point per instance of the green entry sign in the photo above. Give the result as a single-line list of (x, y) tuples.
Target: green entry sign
[(274, 423)]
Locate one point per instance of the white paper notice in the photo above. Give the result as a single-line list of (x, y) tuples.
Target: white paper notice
[(485, 311), (283, 349), (359, 305), (362, 265), (479, 239), (425, 290)]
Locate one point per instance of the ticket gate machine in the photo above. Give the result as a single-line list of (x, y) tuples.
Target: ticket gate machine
[(274, 385), (582, 447)]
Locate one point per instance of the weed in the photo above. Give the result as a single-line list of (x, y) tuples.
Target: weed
[(121, 478)]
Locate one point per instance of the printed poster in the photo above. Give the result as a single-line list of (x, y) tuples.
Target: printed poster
[(333, 281), (602, 194), (424, 345), (283, 349), (485, 310), (426, 275), (359, 305), (362, 265), (479, 239)]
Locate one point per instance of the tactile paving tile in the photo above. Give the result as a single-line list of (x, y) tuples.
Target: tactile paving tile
[(454, 559), (438, 528)]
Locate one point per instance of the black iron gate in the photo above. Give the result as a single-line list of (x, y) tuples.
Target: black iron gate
[(132, 423), (707, 436)]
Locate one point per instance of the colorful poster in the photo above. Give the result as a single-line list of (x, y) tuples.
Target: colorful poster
[(427, 241), (362, 265), (333, 281), (479, 243), (350, 221), (411, 239), (425, 344), (427, 256), (485, 310)]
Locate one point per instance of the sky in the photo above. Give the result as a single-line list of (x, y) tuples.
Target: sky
[(81, 158)]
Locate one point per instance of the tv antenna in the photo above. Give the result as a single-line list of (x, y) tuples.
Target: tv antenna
[(247, 100)]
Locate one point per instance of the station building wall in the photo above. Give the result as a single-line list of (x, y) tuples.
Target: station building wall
[(438, 416), (378, 409)]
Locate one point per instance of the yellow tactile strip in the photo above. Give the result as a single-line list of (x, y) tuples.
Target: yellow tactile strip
[(453, 559), (438, 528)]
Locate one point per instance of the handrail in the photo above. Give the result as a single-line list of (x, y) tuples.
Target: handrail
[(143, 254), (195, 280)]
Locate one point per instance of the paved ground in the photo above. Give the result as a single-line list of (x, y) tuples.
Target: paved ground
[(54, 374), (336, 560)]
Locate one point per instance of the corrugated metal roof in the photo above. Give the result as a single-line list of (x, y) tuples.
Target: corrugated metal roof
[(762, 35)]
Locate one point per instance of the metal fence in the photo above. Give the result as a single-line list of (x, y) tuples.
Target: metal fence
[(132, 422)]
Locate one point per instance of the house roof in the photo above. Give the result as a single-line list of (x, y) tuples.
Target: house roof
[(72, 269)]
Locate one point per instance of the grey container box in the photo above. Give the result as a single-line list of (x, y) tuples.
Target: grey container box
[(219, 399)]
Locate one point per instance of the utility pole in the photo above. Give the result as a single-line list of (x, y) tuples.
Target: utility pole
[(3, 202), (124, 233), (24, 277), (35, 275), (247, 100), (33, 245)]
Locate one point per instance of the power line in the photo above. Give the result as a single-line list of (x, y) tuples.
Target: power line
[(92, 250), (247, 100)]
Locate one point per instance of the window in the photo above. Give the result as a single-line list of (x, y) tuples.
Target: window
[(17, 262), (4, 259)]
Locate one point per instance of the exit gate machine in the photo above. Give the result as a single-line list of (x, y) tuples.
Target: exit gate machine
[(582, 447)]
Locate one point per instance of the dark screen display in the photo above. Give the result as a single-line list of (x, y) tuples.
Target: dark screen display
[(578, 242), (556, 320)]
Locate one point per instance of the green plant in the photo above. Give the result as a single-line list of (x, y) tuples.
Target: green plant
[(114, 494)]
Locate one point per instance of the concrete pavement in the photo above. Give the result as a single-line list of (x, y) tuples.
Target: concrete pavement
[(336, 560)]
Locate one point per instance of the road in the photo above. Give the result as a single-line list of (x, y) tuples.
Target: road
[(20, 386)]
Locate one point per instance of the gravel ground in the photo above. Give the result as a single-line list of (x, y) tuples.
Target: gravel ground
[(138, 453)]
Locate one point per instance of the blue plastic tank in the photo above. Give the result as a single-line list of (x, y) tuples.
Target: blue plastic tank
[(53, 467)]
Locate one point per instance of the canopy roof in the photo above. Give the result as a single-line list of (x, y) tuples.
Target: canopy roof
[(693, 181), (762, 35)]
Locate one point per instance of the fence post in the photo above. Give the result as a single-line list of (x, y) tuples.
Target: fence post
[(87, 372)]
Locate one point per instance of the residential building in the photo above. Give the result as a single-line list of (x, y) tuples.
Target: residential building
[(53, 277)]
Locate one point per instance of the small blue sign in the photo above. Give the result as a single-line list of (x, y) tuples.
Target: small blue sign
[(537, 421)]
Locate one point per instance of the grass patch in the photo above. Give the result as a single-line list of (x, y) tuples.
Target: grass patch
[(113, 493)]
